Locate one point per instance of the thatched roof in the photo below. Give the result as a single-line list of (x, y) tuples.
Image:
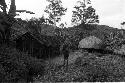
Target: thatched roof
[(17, 30), (90, 42), (48, 40), (42, 38)]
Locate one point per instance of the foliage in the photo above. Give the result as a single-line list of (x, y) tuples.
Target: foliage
[(55, 10), (88, 68), (3, 5), (114, 40), (40, 25), (16, 65), (7, 20), (63, 25), (123, 23), (34, 24), (84, 14)]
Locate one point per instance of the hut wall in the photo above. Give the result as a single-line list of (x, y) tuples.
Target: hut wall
[(27, 43)]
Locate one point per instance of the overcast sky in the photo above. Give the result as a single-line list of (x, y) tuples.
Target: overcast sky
[(111, 12)]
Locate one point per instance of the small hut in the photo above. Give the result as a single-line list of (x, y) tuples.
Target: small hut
[(28, 43), (90, 42), (93, 44), (37, 45)]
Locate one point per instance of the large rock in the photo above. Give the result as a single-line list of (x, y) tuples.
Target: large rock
[(90, 42)]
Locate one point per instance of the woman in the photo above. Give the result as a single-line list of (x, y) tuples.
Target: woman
[(65, 50)]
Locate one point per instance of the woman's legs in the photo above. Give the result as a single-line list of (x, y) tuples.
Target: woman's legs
[(66, 61)]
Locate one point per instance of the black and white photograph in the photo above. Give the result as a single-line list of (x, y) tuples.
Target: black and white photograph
[(62, 41)]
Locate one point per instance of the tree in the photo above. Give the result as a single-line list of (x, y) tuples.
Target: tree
[(12, 10), (123, 23), (7, 19), (3, 5), (63, 25), (55, 10), (84, 14), (122, 26), (35, 24)]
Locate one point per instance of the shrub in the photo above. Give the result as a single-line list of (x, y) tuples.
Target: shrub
[(86, 59), (108, 68), (78, 61), (16, 65), (112, 67)]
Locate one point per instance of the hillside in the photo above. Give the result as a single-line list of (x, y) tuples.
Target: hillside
[(87, 67), (30, 50), (94, 29), (52, 37)]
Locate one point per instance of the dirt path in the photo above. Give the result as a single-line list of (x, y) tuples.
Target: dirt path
[(72, 57)]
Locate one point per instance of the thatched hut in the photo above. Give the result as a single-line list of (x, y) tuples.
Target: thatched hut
[(93, 44), (90, 42), (38, 46)]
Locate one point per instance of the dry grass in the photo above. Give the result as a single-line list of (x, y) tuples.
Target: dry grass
[(87, 68)]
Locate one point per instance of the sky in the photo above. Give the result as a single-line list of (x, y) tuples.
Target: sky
[(111, 12)]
